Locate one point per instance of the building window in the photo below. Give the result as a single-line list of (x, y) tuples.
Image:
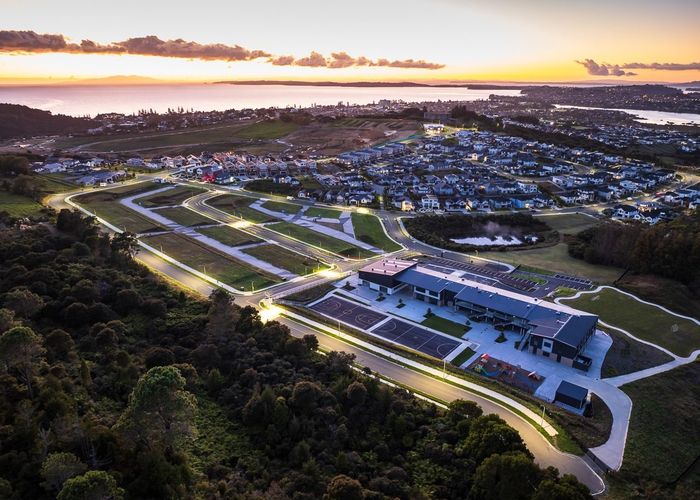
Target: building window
[(383, 289), (547, 345)]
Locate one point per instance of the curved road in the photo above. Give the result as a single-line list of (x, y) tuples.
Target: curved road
[(545, 454)]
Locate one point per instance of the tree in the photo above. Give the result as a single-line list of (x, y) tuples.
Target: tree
[(59, 344), (23, 302), (511, 476), (93, 485), (20, 350), (161, 412), (342, 487), (125, 245), (58, 468), (489, 435), (7, 319), (567, 488)]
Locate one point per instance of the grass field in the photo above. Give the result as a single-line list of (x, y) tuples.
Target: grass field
[(239, 206), (463, 356), (223, 267), (325, 213), (266, 130), (105, 204), (311, 294), (280, 206), (626, 355), (228, 235), (568, 223), (664, 437), (368, 229), (218, 133), (184, 216), (556, 259), (174, 196), (646, 322), (285, 259), (18, 205), (321, 240), (445, 326)]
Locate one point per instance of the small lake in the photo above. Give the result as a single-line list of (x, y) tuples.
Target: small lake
[(648, 116), (484, 241)]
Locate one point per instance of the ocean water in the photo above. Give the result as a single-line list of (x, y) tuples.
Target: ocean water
[(91, 100)]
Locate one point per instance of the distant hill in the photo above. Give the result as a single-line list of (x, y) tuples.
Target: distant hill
[(114, 80), (22, 121)]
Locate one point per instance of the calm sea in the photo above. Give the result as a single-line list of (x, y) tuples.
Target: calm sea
[(92, 100)]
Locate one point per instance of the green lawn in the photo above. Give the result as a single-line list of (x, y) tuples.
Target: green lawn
[(125, 190), (239, 206), (105, 204), (463, 356), (664, 435), (310, 294), (18, 205), (205, 135), (368, 229), (218, 265), (626, 355), (321, 240), (184, 216), (229, 235), (445, 326), (280, 206), (325, 213), (556, 259), (285, 259), (646, 322), (568, 223), (174, 196), (267, 130)]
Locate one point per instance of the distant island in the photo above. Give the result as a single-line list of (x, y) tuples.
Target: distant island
[(299, 83)]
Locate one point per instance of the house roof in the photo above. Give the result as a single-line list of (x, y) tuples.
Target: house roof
[(572, 390)]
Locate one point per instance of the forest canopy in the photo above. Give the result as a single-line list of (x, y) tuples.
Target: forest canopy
[(115, 385)]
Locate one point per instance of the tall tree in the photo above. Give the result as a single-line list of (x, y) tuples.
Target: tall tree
[(20, 351), (161, 412)]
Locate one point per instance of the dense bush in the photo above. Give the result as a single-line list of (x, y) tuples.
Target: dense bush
[(667, 249), (206, 401)]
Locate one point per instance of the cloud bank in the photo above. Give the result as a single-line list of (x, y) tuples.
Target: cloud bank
[(605, 69), (28, 42)]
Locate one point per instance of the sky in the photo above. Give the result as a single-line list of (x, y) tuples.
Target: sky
[(379, 40)]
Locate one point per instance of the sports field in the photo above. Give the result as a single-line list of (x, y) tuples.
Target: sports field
[(414, 337)]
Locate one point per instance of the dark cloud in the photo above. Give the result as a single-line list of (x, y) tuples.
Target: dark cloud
[(605, 69), (281, 60), (695, 66), (154, 46), (29, 41), (314, 60)]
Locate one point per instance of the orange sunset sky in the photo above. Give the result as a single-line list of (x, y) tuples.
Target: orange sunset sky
[(407, 40)]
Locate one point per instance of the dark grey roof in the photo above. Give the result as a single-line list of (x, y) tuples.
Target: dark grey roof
[(544, 319), (572, 390)]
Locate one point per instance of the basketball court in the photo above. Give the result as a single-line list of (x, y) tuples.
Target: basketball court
[(348, 312), (417, 338)]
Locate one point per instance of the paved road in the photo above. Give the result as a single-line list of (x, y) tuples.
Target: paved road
[(545, 454)]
